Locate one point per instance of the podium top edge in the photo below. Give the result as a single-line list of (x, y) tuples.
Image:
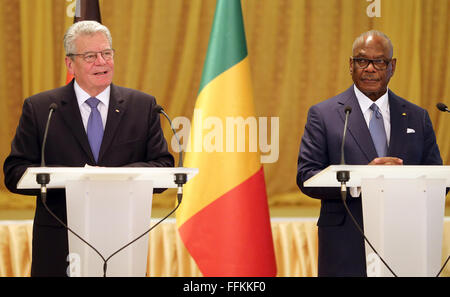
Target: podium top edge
[(59, 175), (327, 177), (94, 169), (390, 167)]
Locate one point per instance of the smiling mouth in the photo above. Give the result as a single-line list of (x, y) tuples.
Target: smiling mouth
[(101, 73)]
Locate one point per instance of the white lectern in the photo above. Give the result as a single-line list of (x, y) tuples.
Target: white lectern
[(108, 207), (403, 211)]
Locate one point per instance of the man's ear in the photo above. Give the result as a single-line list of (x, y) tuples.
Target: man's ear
[(351, 65), (69, 65), (393, 65)]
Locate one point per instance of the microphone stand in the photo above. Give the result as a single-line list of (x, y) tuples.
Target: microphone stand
[(343, 176), (180, 178), (43, 179)]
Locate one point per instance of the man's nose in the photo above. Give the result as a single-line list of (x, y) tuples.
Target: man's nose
[(99, 60), (370, 67)]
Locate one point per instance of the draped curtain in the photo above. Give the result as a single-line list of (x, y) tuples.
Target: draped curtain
[(295, 244), (298, 52)]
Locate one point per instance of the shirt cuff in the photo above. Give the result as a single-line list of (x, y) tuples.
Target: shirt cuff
[(355, 191)]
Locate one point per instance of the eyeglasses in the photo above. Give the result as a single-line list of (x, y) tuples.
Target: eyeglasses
[(378, 64), (90, 57)]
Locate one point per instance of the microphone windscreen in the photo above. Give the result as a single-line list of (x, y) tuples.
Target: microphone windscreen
[(441, 106), (348, 109), (53, 106), (158, 108)]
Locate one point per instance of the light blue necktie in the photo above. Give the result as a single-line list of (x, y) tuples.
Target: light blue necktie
[(376, 128), (94, 127)]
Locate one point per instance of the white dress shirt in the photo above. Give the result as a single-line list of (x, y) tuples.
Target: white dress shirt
[(85, 109), (365, 103), (382, 103)]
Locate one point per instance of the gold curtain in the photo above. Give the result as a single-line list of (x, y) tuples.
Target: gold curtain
[(295, 242), (298, 50), (295, 249)]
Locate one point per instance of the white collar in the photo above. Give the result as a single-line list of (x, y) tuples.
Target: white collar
[(365, 102), (82, 95)]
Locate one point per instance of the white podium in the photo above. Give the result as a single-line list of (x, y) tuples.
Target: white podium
[(108, 207), (403, 211)]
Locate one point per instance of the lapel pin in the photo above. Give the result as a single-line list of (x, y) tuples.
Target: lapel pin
[(403, 114), (117, 111)]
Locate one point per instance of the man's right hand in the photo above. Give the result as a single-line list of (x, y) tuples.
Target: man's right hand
[(386, 161)]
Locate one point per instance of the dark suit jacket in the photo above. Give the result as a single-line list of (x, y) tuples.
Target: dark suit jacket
[(132, 137), (341, 247)]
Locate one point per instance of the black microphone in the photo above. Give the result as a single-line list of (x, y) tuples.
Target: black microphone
[(44, 178), (343, 176), (180, 178), (442, 107)]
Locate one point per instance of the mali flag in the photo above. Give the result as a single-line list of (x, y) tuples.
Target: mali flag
[(224, 218), (85, 10)]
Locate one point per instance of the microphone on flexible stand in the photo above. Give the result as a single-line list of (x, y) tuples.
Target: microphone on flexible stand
[(44, 178), (442, 107), (343, 176), (180, 178)]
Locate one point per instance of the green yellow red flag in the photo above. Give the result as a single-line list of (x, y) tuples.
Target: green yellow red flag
[(224, 218)]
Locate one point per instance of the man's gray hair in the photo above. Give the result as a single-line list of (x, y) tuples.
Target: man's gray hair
[(361, 38), (83, 28)]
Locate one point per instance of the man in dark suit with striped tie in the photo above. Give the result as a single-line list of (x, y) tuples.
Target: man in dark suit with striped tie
[(96, 123), (382, 129)]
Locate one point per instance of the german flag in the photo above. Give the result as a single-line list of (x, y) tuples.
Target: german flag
[(224, 218), (85, 10)]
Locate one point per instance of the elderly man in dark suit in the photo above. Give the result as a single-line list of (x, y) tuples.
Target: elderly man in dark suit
[(382, 129), (96, 123)]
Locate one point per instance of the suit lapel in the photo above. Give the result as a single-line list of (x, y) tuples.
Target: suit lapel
[(70, 113), (116, 109), (399, 124), (357, 126)]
